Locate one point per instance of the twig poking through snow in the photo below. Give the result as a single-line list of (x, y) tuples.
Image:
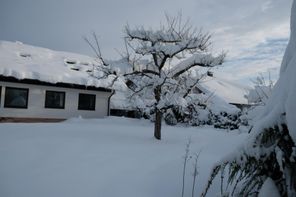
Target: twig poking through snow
[(195, 172), (186, 158)]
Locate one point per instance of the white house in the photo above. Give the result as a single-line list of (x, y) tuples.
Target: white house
[(38, 84)]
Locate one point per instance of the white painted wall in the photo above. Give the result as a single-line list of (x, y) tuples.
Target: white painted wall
[(36, 103)]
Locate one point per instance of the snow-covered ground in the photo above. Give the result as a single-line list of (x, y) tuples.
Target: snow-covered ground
[(110, 157)]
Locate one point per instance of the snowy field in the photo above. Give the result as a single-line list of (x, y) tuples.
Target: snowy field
[(111, 157)]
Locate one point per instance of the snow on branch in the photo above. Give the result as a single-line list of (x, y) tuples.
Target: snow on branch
[(171, 50), (202, 60), (169, 40)]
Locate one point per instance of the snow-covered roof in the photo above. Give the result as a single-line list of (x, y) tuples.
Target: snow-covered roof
[(230, 91), (23, 61)]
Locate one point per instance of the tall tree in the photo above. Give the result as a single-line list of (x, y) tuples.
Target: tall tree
[(163, 62)]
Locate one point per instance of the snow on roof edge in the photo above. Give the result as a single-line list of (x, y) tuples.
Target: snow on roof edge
[(23, 61)]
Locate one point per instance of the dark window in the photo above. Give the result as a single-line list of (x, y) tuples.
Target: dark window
[(87, 102), (16, 97), (55, 99)]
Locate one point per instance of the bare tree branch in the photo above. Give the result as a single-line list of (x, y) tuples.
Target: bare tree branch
[(96, 48)]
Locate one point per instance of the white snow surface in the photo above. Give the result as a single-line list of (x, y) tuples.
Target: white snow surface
[(30, 62), (269, 189), (109, 157)]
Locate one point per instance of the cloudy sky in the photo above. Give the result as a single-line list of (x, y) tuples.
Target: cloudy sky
[(253, 32)]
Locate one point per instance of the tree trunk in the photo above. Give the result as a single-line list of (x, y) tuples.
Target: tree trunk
[(157, 125), (158, 113)]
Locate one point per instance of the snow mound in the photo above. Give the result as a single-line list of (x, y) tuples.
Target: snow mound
[(269, 189)]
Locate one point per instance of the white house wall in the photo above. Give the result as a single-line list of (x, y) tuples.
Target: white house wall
[(36, 102)]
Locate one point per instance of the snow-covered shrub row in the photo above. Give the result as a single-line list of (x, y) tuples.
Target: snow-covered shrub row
[(196, 109), (205, 109), (202, 116)]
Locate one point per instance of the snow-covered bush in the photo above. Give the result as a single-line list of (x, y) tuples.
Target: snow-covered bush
[(269, 156), (259, 95), (205, 109), (261, 92)]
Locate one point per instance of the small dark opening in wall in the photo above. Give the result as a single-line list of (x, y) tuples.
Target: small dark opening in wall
[(70, 61), (87, 102), (55, 99), (210, 73), (16, 97), (84, 63), (76, 69), (25, 55)]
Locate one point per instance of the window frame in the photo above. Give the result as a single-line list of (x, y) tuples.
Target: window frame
[(6, 104), (86, 94), (54, 107)]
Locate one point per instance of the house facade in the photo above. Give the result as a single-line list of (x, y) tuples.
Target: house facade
[(43, 87), (34, 101)]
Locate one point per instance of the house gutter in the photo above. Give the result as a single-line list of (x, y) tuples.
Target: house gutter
[(58, 84), (109, 99)]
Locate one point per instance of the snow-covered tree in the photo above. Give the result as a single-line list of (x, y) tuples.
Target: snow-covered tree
[(268, 159), (163, 64), (261, 91)]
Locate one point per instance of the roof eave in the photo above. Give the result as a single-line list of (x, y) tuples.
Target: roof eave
[(59, 84)]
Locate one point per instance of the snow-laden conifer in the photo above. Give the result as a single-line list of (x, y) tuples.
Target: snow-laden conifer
[(270, 152)]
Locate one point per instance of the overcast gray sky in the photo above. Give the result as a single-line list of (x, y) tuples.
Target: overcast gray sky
[(254, 32)]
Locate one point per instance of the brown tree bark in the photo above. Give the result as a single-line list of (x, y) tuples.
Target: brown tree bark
[(158, 114), (157, 125)]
